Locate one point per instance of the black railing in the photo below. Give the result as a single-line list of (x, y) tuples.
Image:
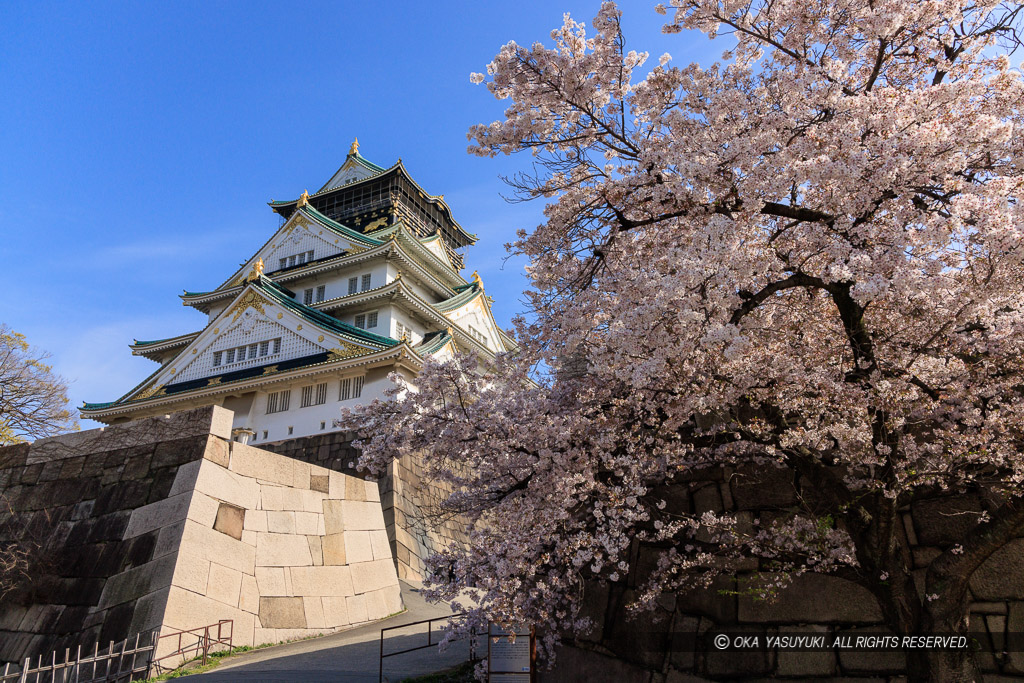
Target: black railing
[(430, 642)]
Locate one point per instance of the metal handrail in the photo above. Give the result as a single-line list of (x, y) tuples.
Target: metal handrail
[(430, 643), (204, 640)]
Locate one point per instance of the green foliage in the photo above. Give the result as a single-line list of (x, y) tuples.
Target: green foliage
[(33, 400)]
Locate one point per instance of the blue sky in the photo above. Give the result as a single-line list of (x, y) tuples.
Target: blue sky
[(140, 142)]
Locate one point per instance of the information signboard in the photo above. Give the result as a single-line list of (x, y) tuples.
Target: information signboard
[(510, 655)]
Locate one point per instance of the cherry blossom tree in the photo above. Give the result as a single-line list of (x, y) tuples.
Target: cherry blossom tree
[(805, 256)]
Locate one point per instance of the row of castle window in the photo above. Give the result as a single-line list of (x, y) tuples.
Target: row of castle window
[(365, 321), (307, 295), (354, 282), (295, 259), (241, 353), (314, 395), (477, 334)]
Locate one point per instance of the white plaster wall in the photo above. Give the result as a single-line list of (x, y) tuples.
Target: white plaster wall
[(306, 421)]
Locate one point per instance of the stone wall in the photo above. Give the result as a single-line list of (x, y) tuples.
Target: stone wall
[(415, 527), (133, 530), (675, 643)]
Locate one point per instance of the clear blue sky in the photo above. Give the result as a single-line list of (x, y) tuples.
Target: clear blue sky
[(140, 142)]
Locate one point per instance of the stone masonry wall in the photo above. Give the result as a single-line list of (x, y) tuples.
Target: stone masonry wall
[(415, 529), (140, 532), (675, 643)]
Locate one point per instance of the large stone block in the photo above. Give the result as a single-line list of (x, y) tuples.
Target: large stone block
[(138, 581), (158, 515), (192, 572), (230, 520), (306, 523), (322, 581), (371, 576), (380, 546), (249, 594), (185, 479), (265, 466), (316, 549), (224, 584), (270, 581), (187, 610), (227, 486), (255, 520), (357, 546), (282, 613), (278, 498), (357, 609), (217, 547), (281, 522), (814, 598), (362, 516), (203, 510), (334, 549), (814, 662), (355, 489), (282, 550), (945, 520), (1001, 577), (335, 611), (314, 610)]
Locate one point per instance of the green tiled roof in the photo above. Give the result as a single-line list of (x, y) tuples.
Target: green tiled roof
[(466, 293), (284, 297), (433, 342)]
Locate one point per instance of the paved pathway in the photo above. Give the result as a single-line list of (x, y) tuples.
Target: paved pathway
[(350, 656)]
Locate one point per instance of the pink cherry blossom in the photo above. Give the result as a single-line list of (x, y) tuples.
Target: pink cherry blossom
[(806, 256)]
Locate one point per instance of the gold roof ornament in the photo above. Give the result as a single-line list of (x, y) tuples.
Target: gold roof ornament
[(303, 199), (354, 149), (476, 278), (257, 270)]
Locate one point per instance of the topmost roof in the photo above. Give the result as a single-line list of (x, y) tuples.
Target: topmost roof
[(356, 170)]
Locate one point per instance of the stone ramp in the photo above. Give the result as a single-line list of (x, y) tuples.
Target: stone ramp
[(349, 656)]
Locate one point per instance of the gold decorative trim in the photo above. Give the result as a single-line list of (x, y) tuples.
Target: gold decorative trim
[(156, 389), (213, 382), (280, 315), (299, 327), (270, 369), (320, 338), (252, 299), (347, 349)]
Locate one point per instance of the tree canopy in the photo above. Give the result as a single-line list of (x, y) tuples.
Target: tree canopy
[(33, 400), (807, 255)]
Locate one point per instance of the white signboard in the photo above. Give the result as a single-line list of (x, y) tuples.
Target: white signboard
[(508, 660)]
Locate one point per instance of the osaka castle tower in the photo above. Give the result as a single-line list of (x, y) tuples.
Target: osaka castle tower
[(362, 279)]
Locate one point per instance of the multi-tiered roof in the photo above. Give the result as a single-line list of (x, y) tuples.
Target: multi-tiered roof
[(385, 251)]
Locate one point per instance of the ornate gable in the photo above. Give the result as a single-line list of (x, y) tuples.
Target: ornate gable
[(259, 329)]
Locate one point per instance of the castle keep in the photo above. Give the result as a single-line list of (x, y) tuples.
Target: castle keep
[(222, 487), (361, 279)]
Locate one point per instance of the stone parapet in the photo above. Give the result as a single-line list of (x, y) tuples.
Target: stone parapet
[(130, 530)]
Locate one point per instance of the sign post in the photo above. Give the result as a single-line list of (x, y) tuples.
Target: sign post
[(510, 660)]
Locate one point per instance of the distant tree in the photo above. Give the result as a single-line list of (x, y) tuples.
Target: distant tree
[(807, 256), (33, 400)]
